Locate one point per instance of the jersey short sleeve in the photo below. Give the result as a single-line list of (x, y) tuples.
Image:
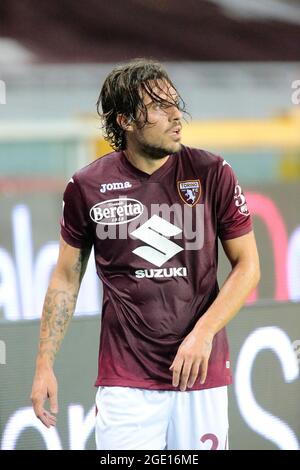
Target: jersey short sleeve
[(74, 222), (233, 216)]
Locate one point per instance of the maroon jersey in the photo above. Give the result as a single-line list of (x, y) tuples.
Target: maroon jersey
[(155, 241)]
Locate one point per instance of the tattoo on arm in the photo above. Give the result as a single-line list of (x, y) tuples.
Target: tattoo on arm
[(58, 310)]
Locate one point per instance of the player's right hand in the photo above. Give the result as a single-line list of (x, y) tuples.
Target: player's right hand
[(44, 386)]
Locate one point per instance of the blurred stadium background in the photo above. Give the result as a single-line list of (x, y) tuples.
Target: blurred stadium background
[(237, 64)]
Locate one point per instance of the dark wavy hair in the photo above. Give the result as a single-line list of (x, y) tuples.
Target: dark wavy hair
[(121, 93)]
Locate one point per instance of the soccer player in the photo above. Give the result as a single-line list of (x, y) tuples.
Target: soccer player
[(153, 210)]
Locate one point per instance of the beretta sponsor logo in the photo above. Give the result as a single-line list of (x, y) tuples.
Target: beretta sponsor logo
[(116, 211)]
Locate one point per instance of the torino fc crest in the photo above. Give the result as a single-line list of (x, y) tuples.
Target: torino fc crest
[(189, 191)]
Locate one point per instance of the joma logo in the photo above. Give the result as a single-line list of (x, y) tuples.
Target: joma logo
[(110, 186)]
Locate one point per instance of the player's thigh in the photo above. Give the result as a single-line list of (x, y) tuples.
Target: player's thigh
[(131, 418), (199, 420)]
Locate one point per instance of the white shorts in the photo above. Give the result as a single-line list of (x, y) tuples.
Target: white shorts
[(134, 418)]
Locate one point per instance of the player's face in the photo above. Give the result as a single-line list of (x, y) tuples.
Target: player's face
[(161, 135)]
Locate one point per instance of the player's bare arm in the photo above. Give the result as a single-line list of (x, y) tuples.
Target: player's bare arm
[(59, 306), (194, 352)]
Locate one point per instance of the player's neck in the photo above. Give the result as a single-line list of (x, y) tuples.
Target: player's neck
[(143, 162)]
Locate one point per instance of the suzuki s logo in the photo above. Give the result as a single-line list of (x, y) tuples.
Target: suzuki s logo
[(154, 233)]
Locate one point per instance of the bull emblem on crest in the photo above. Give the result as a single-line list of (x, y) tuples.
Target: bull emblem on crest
[(189, 191)]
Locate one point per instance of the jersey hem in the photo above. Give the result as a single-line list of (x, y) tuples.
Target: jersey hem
[(70, 241), (152, 385)]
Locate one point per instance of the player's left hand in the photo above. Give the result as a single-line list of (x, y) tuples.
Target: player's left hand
[(192, 356)]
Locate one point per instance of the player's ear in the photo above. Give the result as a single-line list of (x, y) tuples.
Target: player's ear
[(125, 122)]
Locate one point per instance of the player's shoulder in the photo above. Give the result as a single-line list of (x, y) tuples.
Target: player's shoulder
[(202, 159), (100, 167)]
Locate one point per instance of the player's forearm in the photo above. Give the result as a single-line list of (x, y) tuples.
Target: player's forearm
[(60, 302), (241, 281), (59, 306)]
